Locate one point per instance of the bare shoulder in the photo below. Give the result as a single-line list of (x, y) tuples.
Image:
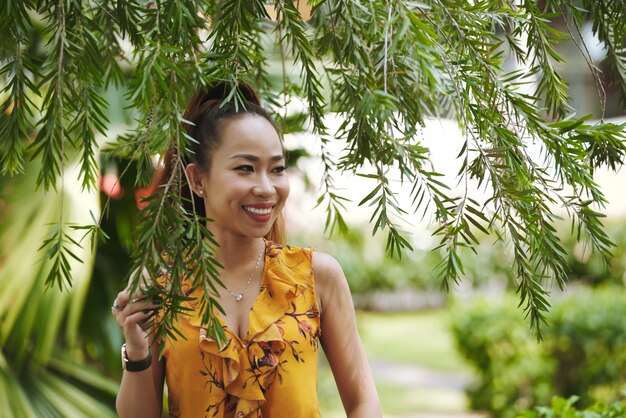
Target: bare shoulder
[(330, 282), (327, 269)]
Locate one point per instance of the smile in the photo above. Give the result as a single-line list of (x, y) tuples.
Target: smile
[(255, 211)]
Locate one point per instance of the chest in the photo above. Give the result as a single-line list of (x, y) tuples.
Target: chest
[(236, 316), (294, 326)]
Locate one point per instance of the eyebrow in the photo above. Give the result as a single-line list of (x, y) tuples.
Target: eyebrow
[(254, 158)]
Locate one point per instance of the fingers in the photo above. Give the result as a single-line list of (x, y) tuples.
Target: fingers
[(125, 300), (134, 333), (120, 301), (138, 318), (133, 313), (124, 306)]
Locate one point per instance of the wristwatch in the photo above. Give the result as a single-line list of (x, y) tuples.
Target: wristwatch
[(135, 366)]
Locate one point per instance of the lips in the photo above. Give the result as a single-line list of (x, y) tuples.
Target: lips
[(260, 212)]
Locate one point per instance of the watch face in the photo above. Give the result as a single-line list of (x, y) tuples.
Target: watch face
[(124, 358)]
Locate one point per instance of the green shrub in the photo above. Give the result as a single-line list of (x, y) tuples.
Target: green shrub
[(588, 337), (584, 351), (513, 375), (564, 408)]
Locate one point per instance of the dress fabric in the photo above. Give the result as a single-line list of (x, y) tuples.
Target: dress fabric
[(270, 373)]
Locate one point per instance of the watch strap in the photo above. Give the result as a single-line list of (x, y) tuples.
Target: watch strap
[(135, 366)]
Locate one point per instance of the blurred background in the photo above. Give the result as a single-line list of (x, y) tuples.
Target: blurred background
[(467, 353)]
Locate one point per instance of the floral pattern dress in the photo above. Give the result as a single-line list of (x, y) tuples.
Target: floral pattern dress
[(270, 373)]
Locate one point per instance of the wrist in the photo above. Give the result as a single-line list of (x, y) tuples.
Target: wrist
[(134, 353), (139, 365)]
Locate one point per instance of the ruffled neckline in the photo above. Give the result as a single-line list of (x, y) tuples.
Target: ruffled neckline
[(257, 354)]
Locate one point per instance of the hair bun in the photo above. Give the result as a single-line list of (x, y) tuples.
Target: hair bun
[(209, 99), (222, 90)]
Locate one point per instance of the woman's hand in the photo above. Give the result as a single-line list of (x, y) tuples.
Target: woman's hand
[(132, 312)]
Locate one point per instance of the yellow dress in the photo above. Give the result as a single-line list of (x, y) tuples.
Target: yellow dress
[(273, 371)]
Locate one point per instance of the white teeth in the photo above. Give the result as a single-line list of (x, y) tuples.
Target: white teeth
[(255, 211)]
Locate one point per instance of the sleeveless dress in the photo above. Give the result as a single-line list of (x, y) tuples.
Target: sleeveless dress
[(270, 373)]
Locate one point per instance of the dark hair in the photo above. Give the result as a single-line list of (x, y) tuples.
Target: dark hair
[(207, 109)]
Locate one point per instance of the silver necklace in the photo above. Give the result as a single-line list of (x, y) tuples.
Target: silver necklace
[(239, 296)]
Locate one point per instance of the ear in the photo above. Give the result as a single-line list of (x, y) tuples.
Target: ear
[(195, 179)]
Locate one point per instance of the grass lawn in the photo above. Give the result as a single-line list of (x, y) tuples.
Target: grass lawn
[(416, 339)]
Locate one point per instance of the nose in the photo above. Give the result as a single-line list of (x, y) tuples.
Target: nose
[(264, 186)]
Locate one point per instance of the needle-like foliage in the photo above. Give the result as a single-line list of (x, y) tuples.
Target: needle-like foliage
[(383, 66)]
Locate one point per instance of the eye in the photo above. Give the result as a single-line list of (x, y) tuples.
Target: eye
[(279, 169), (245, 167)]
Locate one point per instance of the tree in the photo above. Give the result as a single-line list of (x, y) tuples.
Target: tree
[(384, 66)]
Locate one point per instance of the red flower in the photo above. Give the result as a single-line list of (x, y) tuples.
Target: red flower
[(140, 195), (110, 185)]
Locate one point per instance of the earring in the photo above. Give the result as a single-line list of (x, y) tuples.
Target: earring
[(201, 192)]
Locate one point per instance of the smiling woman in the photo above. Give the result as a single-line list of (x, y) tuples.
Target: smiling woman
[(245, 184), (214, 121), (279, 301)]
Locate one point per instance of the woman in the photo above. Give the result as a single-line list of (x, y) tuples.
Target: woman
[(279, 300)]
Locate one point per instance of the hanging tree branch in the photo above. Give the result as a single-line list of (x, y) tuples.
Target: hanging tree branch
[(383, 66)]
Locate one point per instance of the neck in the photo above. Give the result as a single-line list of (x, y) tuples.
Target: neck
[(235, 252)]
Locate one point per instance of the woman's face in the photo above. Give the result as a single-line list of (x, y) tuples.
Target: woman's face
[(246, 187)]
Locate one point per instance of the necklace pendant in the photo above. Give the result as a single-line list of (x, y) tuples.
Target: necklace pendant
[(239, 297)]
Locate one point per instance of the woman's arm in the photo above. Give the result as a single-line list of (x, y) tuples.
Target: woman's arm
[(141, 392), (341, 342)]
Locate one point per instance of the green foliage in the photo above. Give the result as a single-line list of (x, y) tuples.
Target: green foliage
[(44, 369), (588, 267), (512, 373), (564, 408), (583, 352), (582, 264), (367, 269), (588, 338), (383, 66)]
